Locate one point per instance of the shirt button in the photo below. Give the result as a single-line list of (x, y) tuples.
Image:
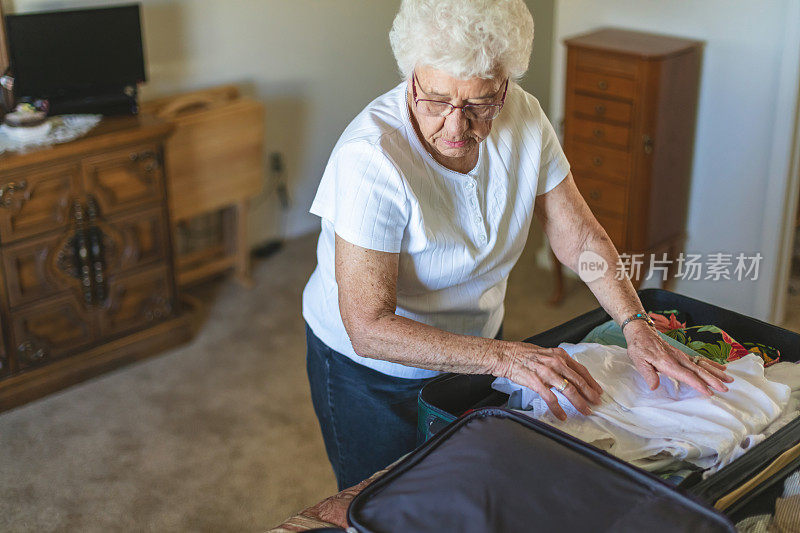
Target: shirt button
[(483, 239), (478, 220), (470, 185)]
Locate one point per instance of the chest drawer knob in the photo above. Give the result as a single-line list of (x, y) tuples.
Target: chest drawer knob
[(597, 132), (597, 161), (594, 194), (602, 85), (600, 109), (7, 191)]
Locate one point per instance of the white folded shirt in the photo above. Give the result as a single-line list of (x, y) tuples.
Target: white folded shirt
[(653, 429)]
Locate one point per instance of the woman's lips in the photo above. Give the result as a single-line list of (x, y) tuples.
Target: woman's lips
[(455, 144)]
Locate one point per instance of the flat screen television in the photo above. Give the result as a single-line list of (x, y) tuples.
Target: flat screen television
[(75, 52)]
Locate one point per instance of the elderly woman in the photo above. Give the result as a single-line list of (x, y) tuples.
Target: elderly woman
[(426, 204)]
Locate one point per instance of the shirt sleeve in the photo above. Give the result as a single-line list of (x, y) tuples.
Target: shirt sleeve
[(363, 195), (553, 164)]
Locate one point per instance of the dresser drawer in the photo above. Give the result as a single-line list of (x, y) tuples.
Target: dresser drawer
[(39, 268), (615, 227), (36, 201), (50, 329), (137, 301), (599, 132), (607, 63), (134, 240), (604, 84), (602, 195), (599, 161), (602, 108), (125, 178)]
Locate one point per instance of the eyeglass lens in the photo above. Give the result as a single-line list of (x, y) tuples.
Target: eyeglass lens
[(473, 111)]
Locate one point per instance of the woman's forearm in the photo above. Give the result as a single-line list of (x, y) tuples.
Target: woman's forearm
[(572, 231), (615, 293), (402, 340), (367, 282)]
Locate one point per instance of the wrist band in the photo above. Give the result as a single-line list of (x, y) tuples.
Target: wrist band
[(638, 316)]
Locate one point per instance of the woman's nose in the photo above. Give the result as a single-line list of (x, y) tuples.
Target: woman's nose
[(457, 121)]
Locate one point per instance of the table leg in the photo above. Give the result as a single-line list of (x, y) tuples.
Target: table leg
[(242, 271)]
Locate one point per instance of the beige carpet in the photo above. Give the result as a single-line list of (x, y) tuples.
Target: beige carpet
[(218, 435)]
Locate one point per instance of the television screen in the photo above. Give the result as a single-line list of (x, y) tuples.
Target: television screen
[(57, 53)]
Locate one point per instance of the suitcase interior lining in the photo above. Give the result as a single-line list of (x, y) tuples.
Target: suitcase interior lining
[(761, 500)]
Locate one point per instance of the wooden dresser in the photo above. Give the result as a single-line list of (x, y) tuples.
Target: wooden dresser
[(629, 123), (87, 270)]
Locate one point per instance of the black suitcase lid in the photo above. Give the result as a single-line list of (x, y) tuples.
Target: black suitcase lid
[(496, 470)]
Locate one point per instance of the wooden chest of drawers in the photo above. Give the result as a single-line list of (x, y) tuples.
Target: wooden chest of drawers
[(86, 257), (629, 123)]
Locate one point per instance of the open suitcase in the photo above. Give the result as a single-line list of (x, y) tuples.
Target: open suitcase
[(749, 486)]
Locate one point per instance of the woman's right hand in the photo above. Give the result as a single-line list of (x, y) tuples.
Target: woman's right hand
[(541, 369)]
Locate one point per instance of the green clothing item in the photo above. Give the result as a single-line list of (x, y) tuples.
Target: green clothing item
[(609, 333)]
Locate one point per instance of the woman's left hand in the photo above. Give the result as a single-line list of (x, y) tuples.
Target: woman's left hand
[(652, 355)]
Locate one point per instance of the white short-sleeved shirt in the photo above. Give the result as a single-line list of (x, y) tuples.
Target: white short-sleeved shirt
[(458, 235)]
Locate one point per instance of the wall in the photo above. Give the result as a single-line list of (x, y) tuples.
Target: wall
[(735, 168), (538, 79)]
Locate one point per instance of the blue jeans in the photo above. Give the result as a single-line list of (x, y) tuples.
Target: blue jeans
[(368, 419)]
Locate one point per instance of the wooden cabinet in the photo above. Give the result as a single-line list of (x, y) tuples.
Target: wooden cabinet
[(86, 256), (629, 124)]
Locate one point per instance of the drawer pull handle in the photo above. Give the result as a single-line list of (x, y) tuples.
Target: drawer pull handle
[(597, 132), (648, 144), (147, 154), (600, 109), (31, 351), (602, 85), (96, 253), (7, 191), (597, 161), (81, 252), (594, 195)]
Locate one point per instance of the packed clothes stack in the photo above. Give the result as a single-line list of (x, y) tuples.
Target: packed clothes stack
[(674, 431)]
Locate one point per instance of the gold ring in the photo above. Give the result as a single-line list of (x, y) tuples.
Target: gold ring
[(563, 385)]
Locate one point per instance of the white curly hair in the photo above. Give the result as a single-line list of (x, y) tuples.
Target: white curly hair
[(464, 38)]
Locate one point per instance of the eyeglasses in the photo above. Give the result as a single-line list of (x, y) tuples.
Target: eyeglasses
[(437, 108)]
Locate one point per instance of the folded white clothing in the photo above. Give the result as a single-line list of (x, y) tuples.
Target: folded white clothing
[(653, 429), (788, 374)]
